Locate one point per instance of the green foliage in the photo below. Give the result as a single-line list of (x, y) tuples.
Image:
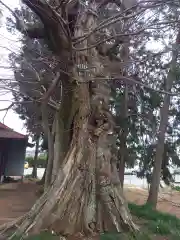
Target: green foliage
[(143, 103), (105, 236), (29, 73), (41, 161), (154, 223), (110, 236), (143, 121), (176, 188), (125, 236)]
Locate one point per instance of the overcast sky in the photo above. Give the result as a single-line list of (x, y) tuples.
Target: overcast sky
[(12, 42)]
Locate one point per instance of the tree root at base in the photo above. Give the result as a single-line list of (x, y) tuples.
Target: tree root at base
[(76, 202), (115, 214)]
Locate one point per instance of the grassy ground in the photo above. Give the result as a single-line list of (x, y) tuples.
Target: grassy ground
[(154, 225)]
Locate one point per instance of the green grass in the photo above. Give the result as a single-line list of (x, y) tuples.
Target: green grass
[(115, 236), (157, 222), (176, 188), (152, 223), (42, 236)]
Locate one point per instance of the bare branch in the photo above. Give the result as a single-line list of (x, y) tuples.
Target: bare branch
[(51, 88), (129, 80), (7, 108)]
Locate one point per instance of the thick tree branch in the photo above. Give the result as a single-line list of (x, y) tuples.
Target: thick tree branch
[(51, 88), (129, 80), (7, 108), (55, 26)]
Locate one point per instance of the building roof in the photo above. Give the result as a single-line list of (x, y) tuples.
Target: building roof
[(6, 132)]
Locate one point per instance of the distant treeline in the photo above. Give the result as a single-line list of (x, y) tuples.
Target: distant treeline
[(41, 162), (42, 158)]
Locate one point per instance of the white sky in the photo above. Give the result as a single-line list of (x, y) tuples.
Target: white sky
[(10, 41)]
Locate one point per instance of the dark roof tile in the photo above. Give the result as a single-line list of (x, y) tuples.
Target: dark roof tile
[(6, 132)]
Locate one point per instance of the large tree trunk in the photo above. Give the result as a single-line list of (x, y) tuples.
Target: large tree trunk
[(86, 195), (122, 162), (123, 137), (49, 136), (154, 186), (64, 124), (124, 115), (34, 172), (164, 113)]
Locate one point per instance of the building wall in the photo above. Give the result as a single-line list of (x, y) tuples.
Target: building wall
[(15, 157)]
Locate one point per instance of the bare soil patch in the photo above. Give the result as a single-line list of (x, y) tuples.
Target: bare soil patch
[(16, 199)]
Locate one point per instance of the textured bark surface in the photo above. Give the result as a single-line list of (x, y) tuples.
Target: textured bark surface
[(86, 195), (49, 136), (123, 152), (34, 172), (64, 124)]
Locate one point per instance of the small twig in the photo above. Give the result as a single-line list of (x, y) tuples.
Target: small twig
[(7, 108), (110, 38)]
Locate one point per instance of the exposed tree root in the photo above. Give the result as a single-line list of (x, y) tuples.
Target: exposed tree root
[(75, 203), (11, 226)]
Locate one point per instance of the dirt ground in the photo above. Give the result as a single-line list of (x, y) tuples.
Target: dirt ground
[(17, 198)]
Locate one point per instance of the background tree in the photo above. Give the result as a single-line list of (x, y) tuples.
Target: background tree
[(34, 68)]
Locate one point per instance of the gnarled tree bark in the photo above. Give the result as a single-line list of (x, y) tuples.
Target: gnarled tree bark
[(86, 195)]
